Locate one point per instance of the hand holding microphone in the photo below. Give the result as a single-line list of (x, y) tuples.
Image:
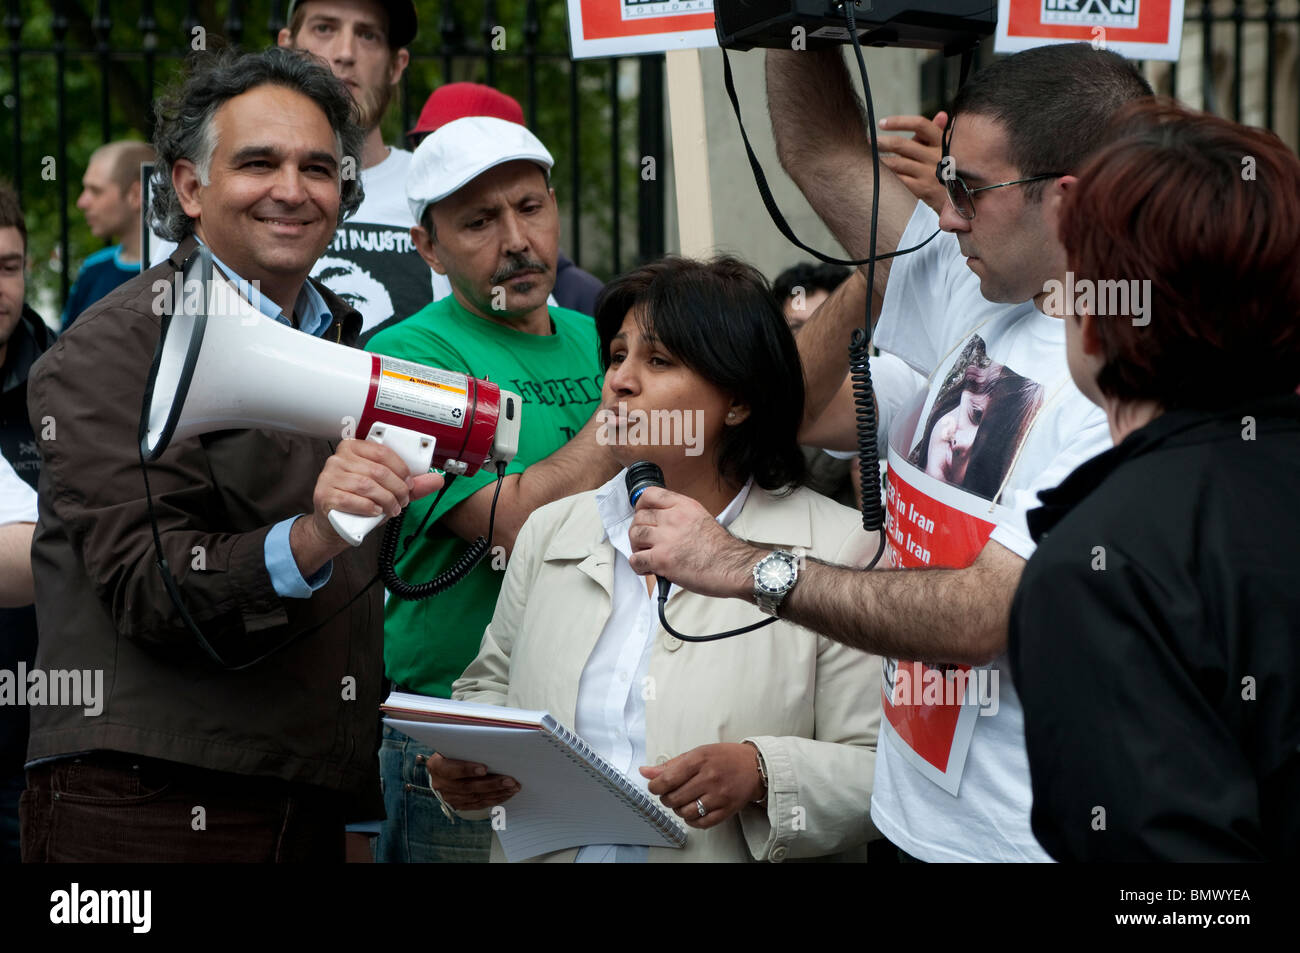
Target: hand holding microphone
[(678, 540), (641, 476)]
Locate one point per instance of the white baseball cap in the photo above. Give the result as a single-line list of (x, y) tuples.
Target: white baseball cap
[(454, 154)]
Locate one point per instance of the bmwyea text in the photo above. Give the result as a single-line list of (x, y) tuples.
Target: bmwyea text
[(1196, 896)]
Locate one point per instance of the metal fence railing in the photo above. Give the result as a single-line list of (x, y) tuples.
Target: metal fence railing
[(77, 73)]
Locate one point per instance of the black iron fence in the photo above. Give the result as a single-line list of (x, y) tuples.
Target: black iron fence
[(1239, 59), (84, 72)]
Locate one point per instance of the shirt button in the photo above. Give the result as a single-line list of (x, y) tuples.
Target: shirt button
[(672, 644), (662, 759), (778, 853), (622, 676)]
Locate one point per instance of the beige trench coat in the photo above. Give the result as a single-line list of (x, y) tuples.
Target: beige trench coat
[(810, 705)]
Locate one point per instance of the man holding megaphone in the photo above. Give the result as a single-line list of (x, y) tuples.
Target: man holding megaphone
[(242, 680)]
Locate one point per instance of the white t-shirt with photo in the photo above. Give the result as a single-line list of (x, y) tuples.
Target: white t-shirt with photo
[(17, 499), (932, 309)]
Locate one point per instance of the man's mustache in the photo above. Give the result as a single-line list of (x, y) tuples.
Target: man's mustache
[(517, 264)]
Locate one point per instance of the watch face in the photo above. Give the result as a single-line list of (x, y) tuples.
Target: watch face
[(775, 574)]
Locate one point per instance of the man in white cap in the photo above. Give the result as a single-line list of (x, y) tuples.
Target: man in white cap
[(479, 187)]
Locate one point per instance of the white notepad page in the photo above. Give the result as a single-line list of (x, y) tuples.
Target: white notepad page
[(560, 803)]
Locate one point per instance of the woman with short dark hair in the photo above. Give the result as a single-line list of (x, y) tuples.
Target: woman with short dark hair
[(1155, 635), (764, 743)]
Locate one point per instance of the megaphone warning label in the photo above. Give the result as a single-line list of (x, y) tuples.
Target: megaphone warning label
[(419, 391)]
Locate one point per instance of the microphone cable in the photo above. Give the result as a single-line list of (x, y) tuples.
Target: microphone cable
[(644, 474), (473, 555)]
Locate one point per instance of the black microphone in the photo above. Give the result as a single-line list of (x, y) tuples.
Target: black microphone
[(643, 474), (640, 475)]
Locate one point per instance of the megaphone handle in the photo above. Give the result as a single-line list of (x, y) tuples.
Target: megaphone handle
[(416, 451)]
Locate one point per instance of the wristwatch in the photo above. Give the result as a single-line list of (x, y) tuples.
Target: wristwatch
[(774, 576)]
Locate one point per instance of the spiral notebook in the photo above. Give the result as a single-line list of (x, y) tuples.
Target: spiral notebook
[(568, 795)]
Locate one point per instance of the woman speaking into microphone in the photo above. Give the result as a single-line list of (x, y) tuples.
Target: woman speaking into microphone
[(764, 744)]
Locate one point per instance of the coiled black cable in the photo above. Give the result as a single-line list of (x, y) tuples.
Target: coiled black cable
[(864, 398), (415, 592), (865, 413)]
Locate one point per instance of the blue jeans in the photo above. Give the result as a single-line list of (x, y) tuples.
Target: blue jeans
[(416, 830)]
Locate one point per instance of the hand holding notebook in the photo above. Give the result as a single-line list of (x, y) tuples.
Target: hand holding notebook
[(568, 795)]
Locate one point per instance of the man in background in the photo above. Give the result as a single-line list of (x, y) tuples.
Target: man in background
[(800, 290), (110, 200), (371, 263), (23, 338)]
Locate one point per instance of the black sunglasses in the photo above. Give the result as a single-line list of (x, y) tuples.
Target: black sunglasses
[(962, 196)]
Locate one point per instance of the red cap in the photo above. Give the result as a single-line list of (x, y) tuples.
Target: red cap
[(458, 100)]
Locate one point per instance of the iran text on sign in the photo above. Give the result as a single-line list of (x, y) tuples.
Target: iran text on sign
[(1138, 29)]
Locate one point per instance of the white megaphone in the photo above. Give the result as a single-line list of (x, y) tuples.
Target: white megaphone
[(221, 365)]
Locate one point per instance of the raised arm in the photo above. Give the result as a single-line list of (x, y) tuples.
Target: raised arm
[(581, 464), (821, 140)]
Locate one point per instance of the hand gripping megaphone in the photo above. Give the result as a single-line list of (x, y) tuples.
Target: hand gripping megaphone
[(221, 364)]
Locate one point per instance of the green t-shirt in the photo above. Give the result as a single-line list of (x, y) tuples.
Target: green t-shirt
[(428, 644)]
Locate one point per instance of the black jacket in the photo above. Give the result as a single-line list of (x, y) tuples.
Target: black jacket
[(1155, 644), (30, 339)]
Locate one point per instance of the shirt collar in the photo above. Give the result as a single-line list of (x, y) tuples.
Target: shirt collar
[(314, 315), (1060, 500), (616, 512)]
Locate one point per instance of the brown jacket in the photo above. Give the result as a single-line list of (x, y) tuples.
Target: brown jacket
[(306, 713)]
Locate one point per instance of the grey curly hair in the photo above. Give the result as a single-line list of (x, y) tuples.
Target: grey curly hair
[(185, 129)]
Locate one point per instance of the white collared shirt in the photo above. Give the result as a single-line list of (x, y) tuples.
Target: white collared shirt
[(610, 712)]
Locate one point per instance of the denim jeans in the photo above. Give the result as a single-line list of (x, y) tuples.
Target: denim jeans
[(110, 807), (416, 830)]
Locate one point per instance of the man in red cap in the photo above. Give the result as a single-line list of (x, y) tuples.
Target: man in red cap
[(574, 288)]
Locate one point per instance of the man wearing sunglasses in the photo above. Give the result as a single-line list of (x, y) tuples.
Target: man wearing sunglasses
[(1000, 419)]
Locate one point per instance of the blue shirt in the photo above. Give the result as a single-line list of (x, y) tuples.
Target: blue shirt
[(99, 274), (313, 318)]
